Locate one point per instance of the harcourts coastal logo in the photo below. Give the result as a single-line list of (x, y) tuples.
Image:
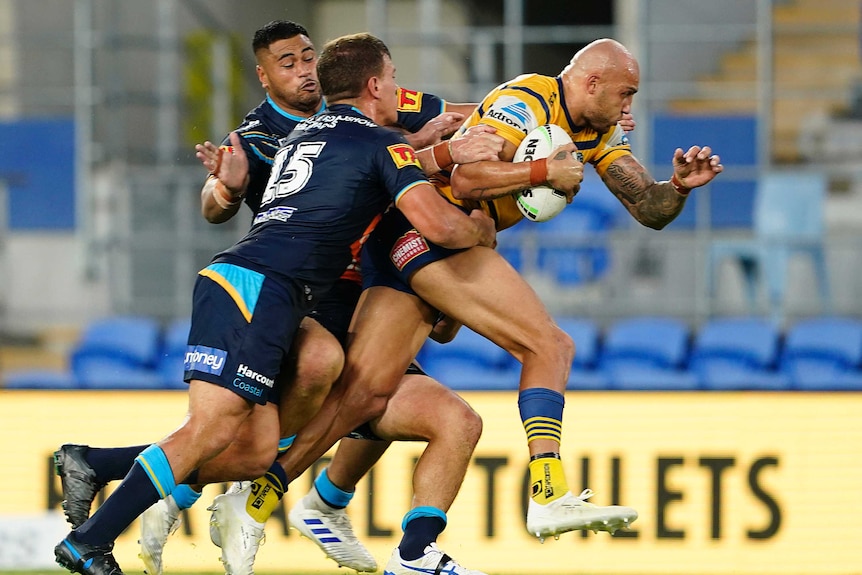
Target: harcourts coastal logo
[(205, 359), (248, 373)]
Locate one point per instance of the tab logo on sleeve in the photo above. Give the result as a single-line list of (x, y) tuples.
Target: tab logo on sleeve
[(409, 100), (403, 155)]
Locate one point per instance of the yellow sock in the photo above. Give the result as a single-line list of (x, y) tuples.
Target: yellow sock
[(547, 479), (263, 498)]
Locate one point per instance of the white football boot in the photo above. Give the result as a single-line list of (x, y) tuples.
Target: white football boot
[(570, 513), (238, 534), (332, 531), (157, 523), (434, 561)]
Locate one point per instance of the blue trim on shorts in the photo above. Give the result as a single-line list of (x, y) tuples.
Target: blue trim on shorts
[(246, 282)]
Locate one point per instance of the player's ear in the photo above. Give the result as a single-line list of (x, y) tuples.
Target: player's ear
[(373, 86)]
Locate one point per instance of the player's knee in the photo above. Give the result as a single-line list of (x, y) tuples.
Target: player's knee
[(471, 424), (318, 366), (565, 346), (370, 387)]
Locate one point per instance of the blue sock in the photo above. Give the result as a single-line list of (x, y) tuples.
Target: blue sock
[(185, 496), (331, 494), (149, 480), (112, 463), (421, 527), (542, 413)]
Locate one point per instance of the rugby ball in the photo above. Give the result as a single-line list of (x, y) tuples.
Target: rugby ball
[(541, 203)]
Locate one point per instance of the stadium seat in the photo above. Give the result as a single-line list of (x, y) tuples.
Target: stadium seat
[(585, 334), (130, 340), (467, 347), (39, 379), (573, 246), (788, 220), (737, 353), (640, 377), (824, 353), (587, 380), (172, 355), (649, 341), (647, 353), (465, 375), (108, 373)]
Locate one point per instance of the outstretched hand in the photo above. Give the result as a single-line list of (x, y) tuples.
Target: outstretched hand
[(435, 130), (696, 167), (228, 164)]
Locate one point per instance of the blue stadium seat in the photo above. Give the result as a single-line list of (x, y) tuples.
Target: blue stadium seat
[(470, 361), (659, 342), (788, 220), (647, 353), (467, 347), (587, 380), (824, 353), (465, 375), (108, 373), (738, 353), (585, 334), (172, 356), (39, 379), (130, 340), (639, 377), (573, 247)]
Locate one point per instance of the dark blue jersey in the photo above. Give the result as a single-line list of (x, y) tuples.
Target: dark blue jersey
[(336, 173), (265, 128), (415, 109), (262, 131)]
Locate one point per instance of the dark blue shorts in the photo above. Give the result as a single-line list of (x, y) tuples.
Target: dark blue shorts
[(394, 251), (335, 309), (243, 324)]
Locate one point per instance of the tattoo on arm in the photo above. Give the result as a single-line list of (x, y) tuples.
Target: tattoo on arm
[(652, 204), (628, 180)]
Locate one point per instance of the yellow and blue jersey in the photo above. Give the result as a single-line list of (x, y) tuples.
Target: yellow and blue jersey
[(517, 107)]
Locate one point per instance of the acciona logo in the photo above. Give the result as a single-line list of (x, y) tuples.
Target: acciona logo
[(248, 373)]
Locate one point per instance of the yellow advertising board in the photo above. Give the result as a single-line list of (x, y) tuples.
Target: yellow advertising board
[(725, 483)]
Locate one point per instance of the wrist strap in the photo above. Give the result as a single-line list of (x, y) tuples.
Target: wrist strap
[(677, 185), (538, 172), (443, 154), (223, 197)]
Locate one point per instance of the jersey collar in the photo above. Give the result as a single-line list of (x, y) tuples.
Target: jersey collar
[(572, 127), (290, 116)]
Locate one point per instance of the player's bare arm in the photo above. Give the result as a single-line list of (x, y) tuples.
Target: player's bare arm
[(479, 143), (656, 204), (491, 180), (222, 193), (435, 130)]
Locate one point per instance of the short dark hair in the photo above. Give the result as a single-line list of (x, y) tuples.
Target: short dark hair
[(346, 64), (274, 31)]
